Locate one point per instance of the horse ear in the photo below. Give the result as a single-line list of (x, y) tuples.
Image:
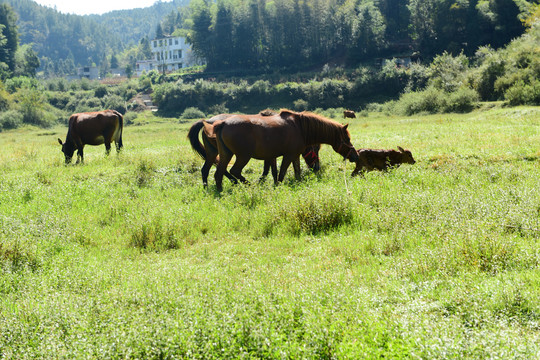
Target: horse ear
[(400, 149), (60, 141), (345, 126), (285, 113)]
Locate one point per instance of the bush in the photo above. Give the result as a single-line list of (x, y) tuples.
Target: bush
[(115, 102), (129, 118), (300, 105), (462, 100), (192, 113), (523, 94), (10, 119), (430, 101), (100, 91), (218, 109)]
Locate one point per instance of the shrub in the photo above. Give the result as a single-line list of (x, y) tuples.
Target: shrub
[(129, 118), (462, 100), (192, 113), (521, 93), (300, 105), (10, 119), (431, 100), (218, 109), (100, 91), (115, 102)]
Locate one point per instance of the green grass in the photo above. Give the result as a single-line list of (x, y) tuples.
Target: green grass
[(129, 257)]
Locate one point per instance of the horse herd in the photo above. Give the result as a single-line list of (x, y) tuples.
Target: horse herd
[(264, 136)]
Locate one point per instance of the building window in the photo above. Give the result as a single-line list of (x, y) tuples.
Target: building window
[(175, 41), (170, 41), (179, 54), (155, 43), (160, 42)]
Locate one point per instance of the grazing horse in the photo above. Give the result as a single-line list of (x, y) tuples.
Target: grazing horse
[(209, 152), (92, 128), (370, 159), (285, 134), (349, 114)]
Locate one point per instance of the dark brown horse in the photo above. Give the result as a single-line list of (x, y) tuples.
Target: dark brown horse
[(92, 128), (378, 159), (285, 134), (209, 152)]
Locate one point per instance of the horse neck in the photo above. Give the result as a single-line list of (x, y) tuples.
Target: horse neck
[(319, 132)]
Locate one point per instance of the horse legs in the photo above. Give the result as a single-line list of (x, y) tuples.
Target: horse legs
[(269, 164), (211, 156), (224, 159), (107, 148), (80, 155), (283, 169), (296, 167), (238, 166)]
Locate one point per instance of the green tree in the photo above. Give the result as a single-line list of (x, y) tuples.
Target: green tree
[(114, 62), (9, 37), (200, 35), (27, 61)]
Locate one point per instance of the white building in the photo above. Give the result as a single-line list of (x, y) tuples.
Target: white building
[(89, 72), (168, 54)]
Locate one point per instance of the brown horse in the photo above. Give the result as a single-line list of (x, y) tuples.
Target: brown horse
[(378, 159), (92, 128), (285, 134), (209, 152)]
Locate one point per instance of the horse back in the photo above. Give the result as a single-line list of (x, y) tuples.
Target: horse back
[(261, 137), (94, 128)]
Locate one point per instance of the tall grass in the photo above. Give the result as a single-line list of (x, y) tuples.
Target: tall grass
[(128, 256)]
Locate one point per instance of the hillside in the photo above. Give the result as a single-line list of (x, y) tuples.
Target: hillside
[(132, 25), (60, 38)]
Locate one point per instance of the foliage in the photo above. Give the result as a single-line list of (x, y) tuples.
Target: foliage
[(192, 113), (9, 40), (10, 119), (433, 100)]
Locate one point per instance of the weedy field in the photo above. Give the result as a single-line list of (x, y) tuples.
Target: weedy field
[(129, 257)]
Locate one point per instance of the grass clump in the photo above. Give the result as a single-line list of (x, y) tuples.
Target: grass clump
[(315, 213), (155, 236), (14, 257)]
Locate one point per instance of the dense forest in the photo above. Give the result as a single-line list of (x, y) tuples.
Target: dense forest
[(279, 64), (265, 36), (249, 34)]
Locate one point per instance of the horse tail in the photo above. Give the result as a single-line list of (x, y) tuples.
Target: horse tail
[(193, 136), (120, 128)]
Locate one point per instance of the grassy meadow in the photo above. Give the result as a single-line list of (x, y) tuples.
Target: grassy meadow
[(128, 257)]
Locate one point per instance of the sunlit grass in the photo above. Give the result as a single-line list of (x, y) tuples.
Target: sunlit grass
[(128, 256)]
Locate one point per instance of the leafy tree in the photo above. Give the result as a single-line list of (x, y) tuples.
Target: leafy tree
[(159, 32), (114, 62), (27, 61), (9, 37)]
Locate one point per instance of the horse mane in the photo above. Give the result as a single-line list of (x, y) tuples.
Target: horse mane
[(315, 127)]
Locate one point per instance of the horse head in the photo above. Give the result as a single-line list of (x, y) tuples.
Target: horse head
[(406, 156), (343, 145), (311, 157), (68, 149)]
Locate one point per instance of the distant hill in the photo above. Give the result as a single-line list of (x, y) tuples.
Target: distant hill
[(85, 39), (132, 25)]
